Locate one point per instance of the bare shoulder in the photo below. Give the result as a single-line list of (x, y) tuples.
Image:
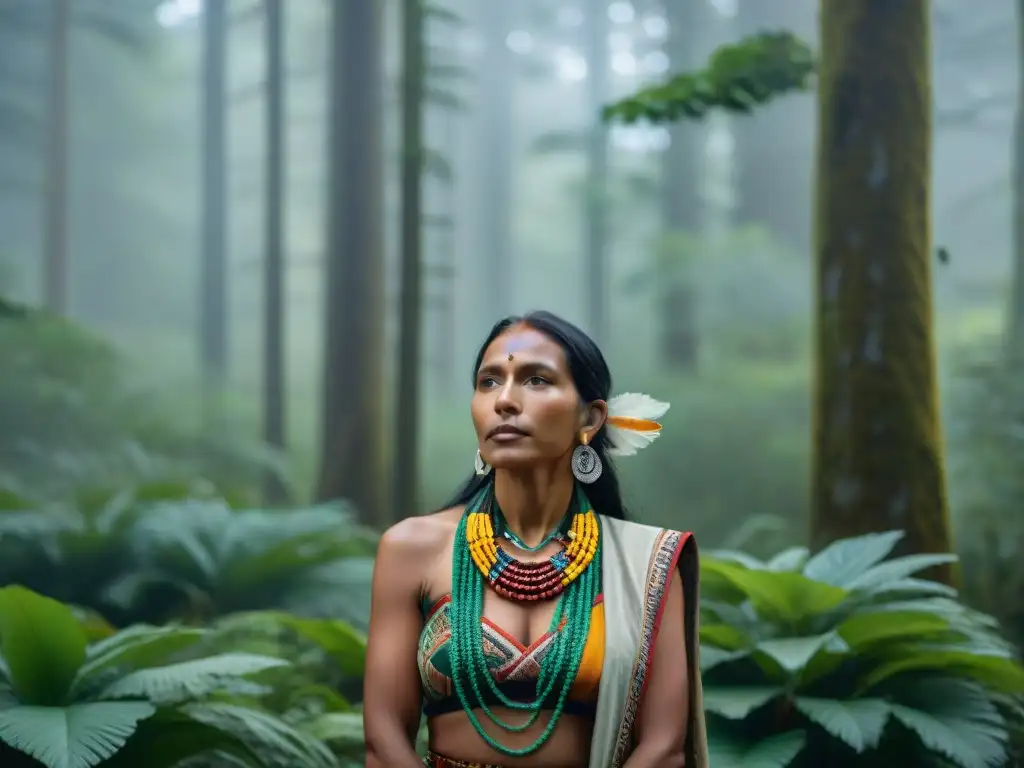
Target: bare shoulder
[(419, 538)]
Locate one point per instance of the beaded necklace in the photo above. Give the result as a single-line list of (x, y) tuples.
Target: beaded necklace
[(501, 529), (479, 560)]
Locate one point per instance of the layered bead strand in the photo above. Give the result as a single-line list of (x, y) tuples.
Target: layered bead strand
[(477, 561), (531, 581)]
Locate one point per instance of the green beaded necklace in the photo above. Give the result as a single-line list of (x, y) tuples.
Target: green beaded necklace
[(467, 656)]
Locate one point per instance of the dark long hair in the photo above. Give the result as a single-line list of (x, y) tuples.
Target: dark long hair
[(593, 381)]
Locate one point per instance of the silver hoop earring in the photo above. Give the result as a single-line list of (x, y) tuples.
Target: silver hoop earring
[(586, 464), (481, 467)]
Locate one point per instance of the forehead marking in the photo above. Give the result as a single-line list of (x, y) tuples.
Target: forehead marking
[(519, 342)]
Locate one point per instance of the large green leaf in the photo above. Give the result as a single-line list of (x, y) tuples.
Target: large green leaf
[(264, 731), (896, 569), (342, 730), (959, 739), (736, 556), (740, 617), (774, 752), (996, 671), (786, 597), (723, 636), (325, 698), (189, 679), (171, 736), (93, 624), (910, 588), (138, 646), (711, 657), (842, 561), (42, 644), (794, 653), (343, 644), (78, 736), (736, 702), (792, 559), (859, 723), (864, 629)]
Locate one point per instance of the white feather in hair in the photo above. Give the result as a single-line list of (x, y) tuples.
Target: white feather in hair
[(633, 422)]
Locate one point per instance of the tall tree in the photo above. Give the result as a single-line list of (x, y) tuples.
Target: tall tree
[(407, 410), (56, 268), (1015, 321), (274, 379), (595, 224), (213, 287), (494, 105), (682, 204), (351, 448), (878, 461)]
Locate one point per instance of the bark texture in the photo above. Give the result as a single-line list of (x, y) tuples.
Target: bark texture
[(878, 448)]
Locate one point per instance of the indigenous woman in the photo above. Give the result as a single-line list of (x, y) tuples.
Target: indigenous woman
[(528, 621)]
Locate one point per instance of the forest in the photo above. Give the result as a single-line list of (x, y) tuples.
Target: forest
[(801, 222)]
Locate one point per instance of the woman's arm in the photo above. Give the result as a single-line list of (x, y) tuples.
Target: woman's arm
[(664, 711), (392, 693)]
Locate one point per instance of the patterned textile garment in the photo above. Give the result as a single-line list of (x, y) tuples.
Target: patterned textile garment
[(515, 666), (639, 561)]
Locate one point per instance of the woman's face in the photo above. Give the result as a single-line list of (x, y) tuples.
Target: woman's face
[(526, 409)]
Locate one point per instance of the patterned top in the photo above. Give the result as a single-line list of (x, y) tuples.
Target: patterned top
[(515, 666)]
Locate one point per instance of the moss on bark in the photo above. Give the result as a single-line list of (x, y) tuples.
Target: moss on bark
[(878, 450)]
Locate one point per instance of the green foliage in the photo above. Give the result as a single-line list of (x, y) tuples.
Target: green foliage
[(171, 551), (985, 423), (316, 692), (125, 701), (72, 416), (737, 78), (847, 657)]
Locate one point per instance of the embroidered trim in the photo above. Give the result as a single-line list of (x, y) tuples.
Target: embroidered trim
[(434, 760), (664, 559)]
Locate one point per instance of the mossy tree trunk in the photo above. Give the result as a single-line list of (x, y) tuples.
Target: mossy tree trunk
[(878, 461)]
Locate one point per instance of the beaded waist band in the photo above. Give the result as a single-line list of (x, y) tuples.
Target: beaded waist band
[(434, 760)]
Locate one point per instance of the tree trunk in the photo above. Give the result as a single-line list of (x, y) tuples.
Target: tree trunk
[(213, 287), (496, 99), (274, 412), (595, 229), (407, 411), (682, 206), (55, 235), (447, 253), (878, 461), (1015, 321), (351, 448)]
